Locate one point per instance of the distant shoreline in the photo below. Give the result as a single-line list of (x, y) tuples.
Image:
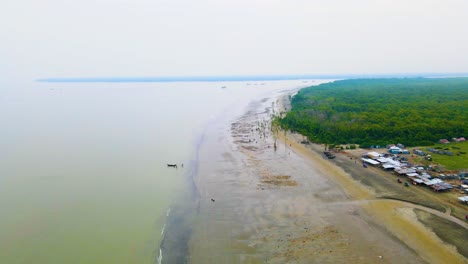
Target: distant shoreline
[(241, 78)]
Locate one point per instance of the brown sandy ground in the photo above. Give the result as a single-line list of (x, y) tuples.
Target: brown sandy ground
[(435, 226), (290, 205)]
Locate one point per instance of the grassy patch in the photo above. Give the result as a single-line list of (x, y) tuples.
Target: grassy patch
[(455, 162)]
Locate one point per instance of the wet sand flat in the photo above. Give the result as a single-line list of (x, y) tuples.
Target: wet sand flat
[(258, 205)]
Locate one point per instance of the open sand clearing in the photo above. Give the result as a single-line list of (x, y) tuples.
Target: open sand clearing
[(258, 205)]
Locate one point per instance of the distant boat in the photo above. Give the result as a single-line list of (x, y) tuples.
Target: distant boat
[(223, 87)]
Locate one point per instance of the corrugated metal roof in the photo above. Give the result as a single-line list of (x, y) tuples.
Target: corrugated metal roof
[(373, 162)]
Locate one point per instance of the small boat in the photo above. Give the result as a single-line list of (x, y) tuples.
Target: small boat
[(172, 165)]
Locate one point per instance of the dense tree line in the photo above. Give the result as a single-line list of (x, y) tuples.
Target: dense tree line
[(415, 111)]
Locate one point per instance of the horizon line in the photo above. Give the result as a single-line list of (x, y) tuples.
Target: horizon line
[(233, 78)]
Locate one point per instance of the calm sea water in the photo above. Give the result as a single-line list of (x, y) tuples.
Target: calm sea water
[(83, 175)]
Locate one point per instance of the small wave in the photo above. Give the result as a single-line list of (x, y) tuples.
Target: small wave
[(160, 256), (162, 236), (168, 211)]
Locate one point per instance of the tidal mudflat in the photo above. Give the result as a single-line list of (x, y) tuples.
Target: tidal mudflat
[(290, 205)]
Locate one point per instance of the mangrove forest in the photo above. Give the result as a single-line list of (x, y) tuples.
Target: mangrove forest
[(411, 111)]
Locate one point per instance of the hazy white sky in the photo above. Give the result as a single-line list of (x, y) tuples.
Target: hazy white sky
[(65, 38)]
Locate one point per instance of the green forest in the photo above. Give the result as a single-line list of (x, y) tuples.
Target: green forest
[(412, 111)]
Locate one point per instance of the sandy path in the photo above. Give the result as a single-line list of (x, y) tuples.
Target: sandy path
[(445, 215), (403, 204)]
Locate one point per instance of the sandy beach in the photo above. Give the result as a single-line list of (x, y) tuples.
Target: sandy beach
[(261, 204)]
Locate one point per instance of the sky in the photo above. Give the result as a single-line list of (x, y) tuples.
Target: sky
[(103, 38)]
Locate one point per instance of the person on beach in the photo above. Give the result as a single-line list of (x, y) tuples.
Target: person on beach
[(466, 217)]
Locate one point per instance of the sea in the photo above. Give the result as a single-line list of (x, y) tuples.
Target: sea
[(83, 165)]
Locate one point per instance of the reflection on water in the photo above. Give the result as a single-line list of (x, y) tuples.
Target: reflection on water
[(83, 175)]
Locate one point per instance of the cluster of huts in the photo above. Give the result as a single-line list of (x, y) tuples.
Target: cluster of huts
[(416, 175), (446, 141), (440, 151), (397, 149), (463, 199)]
